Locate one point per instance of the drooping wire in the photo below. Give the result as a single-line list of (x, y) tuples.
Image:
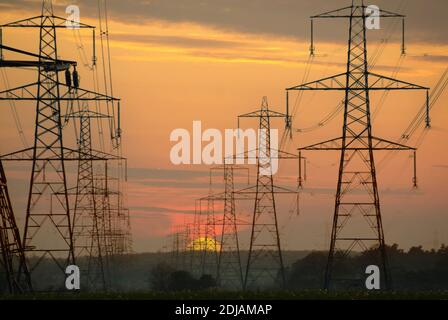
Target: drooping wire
[(81, 49), (104, 76), (385, 94), (373, 60), (14, 113), (95, 78), (421, 115), (420, 119), (287, 134), (107, 68)]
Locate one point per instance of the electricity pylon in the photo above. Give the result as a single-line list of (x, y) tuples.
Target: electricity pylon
[(357, 222), (224, 253), (119, 229), (175, 246), (88, 220), (185, 248), (195, 245), (210, 250), (12, 254), (230, 273), (48, 227), (265, 255)]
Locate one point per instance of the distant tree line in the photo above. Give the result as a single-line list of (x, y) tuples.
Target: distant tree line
[(414, 270), (165, 278)]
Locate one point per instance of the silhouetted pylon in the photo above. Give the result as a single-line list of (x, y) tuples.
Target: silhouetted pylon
[(12, 254), (48, 227), (229, 272), (210, 249), (357, 221), (265, 256)]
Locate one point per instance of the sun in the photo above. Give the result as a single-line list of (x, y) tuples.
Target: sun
[(204, 243)]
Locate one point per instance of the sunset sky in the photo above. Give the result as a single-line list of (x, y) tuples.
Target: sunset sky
[(177, 61)]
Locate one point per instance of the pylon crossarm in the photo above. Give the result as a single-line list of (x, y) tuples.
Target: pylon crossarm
[(36, 22), (253, 154), (86, 95), (29, 22), (347, 13), (48, 65), (332, 144), (376, 82), (25, 154), (69, 155), (100, 155), (222, 196), (30, 54), (62, 23), (19, 93), (258, 114), (253, 190), (378, 144), (342, 12), (379, 82), (336, 82), (91, 114), (25, 93), (390, 14), (382, 144)]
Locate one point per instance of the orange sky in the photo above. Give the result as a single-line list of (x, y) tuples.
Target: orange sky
[(218, 74)]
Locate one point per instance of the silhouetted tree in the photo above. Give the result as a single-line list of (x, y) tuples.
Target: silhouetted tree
[(308, 273), (182, 280), (206, 281), (160, 278)]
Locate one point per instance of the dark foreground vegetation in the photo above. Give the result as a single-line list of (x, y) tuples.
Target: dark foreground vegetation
[(414, 270), (416, 274)]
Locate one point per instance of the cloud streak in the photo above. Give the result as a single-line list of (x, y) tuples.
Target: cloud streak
[(288, 18)]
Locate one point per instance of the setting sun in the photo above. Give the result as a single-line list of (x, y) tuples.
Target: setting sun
[(204, 243)]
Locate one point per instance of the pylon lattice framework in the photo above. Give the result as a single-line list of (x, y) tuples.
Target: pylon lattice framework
[(265, 261), (357, 222), (229, 272), (11, 249), (209, 263), (48, 209), (88, 220)]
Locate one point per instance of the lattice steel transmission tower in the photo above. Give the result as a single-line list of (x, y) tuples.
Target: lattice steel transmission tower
[(48, 227), (185, 247), (195, 244), (175, 248), (88, 220), (209, 263), (180, 243), (230, 273), (12, 254), (48, 177), (265, 256), (357, 222), (222, 254)]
